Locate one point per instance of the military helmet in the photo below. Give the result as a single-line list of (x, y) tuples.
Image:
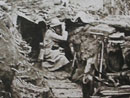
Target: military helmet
[(55, 22)]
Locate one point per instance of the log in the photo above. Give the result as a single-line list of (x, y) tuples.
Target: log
[(102, 28), (118, 21), (119, 73), (115, 91)]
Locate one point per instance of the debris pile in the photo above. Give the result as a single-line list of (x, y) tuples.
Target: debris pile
[(18, 77), (118, 85), (36, 11), (41, 10)]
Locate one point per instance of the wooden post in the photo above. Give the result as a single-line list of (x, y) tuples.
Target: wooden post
[(101, 61)]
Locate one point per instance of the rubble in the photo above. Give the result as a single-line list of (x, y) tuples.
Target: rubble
[(17, 79)]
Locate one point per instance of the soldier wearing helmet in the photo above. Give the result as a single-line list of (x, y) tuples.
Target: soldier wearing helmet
[(53, 56)]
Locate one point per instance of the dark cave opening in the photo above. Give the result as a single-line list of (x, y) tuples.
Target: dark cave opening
[(123, 30), (32, 33)]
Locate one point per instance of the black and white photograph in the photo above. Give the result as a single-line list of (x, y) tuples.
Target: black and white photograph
[(64, 48)]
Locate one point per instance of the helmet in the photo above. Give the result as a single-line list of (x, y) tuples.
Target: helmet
[(55, 22)]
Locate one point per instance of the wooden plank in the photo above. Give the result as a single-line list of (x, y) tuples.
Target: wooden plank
[(116, 91), (119, 73), (64, 81), (67, 93), (55, 84), (102, 28)]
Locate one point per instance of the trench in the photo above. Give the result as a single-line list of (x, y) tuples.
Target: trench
[(33, 34)]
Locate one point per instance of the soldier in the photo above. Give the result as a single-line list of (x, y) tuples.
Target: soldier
[(54, 56)]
